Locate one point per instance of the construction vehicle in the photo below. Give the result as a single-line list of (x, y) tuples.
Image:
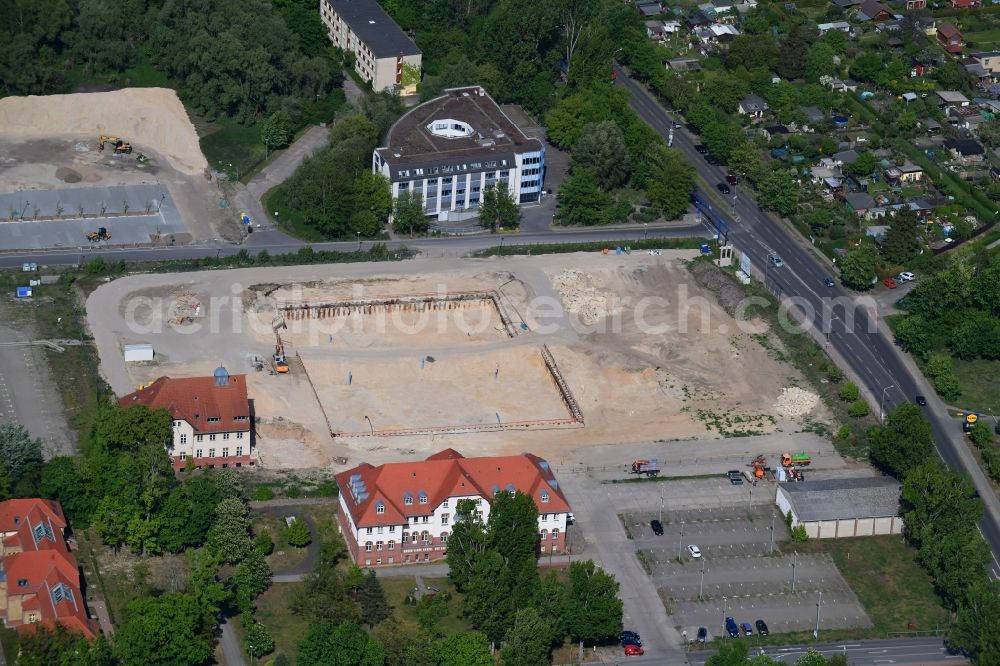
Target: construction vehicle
[(647, 467), (280, 364), (798, 460), (121, 146), (759, 465), (100, 235)]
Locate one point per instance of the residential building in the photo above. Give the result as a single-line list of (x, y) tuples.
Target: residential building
[(655, 30), (990, 60), (932, 126), (648, 9), (965, 151), (384, 55), (684, 65), (966, 4), (212, 418), (966, 117), (838, 508), (843, 157), (916, 4), (842, 26), (399, 513), (772, 131), (451, 148), (847, 4), (905, 174), (874, 11), (39, 578), (952, 97), (950, 38), (753, 105), (860, 203), (697, 19), (717, 33)]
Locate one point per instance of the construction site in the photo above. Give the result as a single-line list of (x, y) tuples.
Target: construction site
[(127, 161), (392, 360)]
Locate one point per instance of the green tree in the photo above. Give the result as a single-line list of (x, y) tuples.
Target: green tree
[(374, 607), (940, 370), (64, 480), (981, 434), (857, 268), (297, 533), (731, 653), (408, 213), (45, 646), (345, 644), (977, 630), (819, 61), (19, 452), (469, 649), (229, 536), (466, 544), (498, 207), (752, 52), (258, 640), (721, 137), (867, 66), (601, 147), (936, 501), (849, 392), (913, 334), (778, 192), (746, 159), (373, 195), (527, 642), (163, 630), (904, 442), (858, 409), (430, 612), (989, 132), (792, 55), (276, 131), (252, 577), (672, 181), (580, 198), (263, 543), (593, 609), (863, 166)]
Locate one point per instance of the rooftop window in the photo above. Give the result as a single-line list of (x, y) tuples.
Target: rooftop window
[(450, 129)]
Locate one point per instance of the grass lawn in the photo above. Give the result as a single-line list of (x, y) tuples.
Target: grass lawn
[(397, 588), (984, 38), (884, 574), (230, 147), (285, 627), (980, 382)]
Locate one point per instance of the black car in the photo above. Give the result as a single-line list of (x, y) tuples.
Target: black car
[(761, 627), (702, 634), (723, 187), (701, 149), (630, 638), (920, 400), (657, 527), (712, 159)]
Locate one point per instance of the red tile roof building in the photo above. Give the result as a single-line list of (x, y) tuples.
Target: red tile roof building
[(39, 579), (213, 420), (950, 38), (400, 513)]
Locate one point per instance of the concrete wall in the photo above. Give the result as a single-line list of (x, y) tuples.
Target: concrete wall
[(853, 527)]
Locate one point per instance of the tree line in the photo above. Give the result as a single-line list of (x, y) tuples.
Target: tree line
[(243, 59)]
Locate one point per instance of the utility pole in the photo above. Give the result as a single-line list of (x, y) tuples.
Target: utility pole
[(661, 507), (725, 607), (680, 540), (794, 556), (819, 602), (750, 497), (772, 534), (701, 585)]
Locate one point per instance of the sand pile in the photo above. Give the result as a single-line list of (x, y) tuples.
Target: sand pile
[(794, 402), (581, 296), (153, 119)]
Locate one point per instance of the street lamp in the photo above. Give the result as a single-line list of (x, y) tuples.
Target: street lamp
[(661, 507), (819, 603), (725, 607), (370, 426), (881, 411), (680, 540), (359, 241)]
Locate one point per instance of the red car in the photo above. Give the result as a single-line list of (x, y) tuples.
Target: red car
[(889, 282), (633, 650)]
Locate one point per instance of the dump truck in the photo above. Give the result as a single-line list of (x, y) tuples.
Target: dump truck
[(120, 145), (100, 235), (280, 364), (647, 467), (796, 459)]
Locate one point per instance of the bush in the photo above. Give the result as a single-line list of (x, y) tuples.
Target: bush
[(264, 543), (799, 533), (849, 392), (262, 494), (858, 409), (293, 492), (297, 533)]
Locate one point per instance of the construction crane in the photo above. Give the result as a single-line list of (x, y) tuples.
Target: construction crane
[(280, 364), (100, 235), (120, 145)]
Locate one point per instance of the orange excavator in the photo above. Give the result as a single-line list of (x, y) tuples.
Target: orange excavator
[(759, 465), (280, 364)]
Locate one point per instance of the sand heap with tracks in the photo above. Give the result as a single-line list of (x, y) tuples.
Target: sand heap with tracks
[(150, 118)]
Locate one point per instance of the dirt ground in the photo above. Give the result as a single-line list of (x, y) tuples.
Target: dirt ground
[(51, 142), (647, 353)]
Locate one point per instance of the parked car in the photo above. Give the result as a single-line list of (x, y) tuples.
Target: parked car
[(712, 159), (775, 260), (828, 281), (920, 400), (889, 282), (634, 650), (906, 276), (731, 628), (701, 149), (630, 638), (694, 551), (722, 187), (702, 634), (747, 629), (657, 527), (761, 627), (731, 179)]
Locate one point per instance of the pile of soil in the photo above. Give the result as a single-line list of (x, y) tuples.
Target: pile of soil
[(67, 175)]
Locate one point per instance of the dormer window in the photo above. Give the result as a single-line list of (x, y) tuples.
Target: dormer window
[(22, 582), (423, 497), (408, 499), (545, 496), (379, 507), (213, 419)]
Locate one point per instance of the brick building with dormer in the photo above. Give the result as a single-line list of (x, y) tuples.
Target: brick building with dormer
[(400, 513)]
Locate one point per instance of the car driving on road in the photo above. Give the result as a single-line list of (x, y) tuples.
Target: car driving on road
[(723, 187), (775, 260), (828, 281), (630, 638)]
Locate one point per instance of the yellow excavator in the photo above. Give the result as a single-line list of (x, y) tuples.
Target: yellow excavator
[(102, 234), (280, 364), (121, 146)]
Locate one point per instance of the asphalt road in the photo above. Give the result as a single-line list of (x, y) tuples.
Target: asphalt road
[(913, 651), (875, 361)]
